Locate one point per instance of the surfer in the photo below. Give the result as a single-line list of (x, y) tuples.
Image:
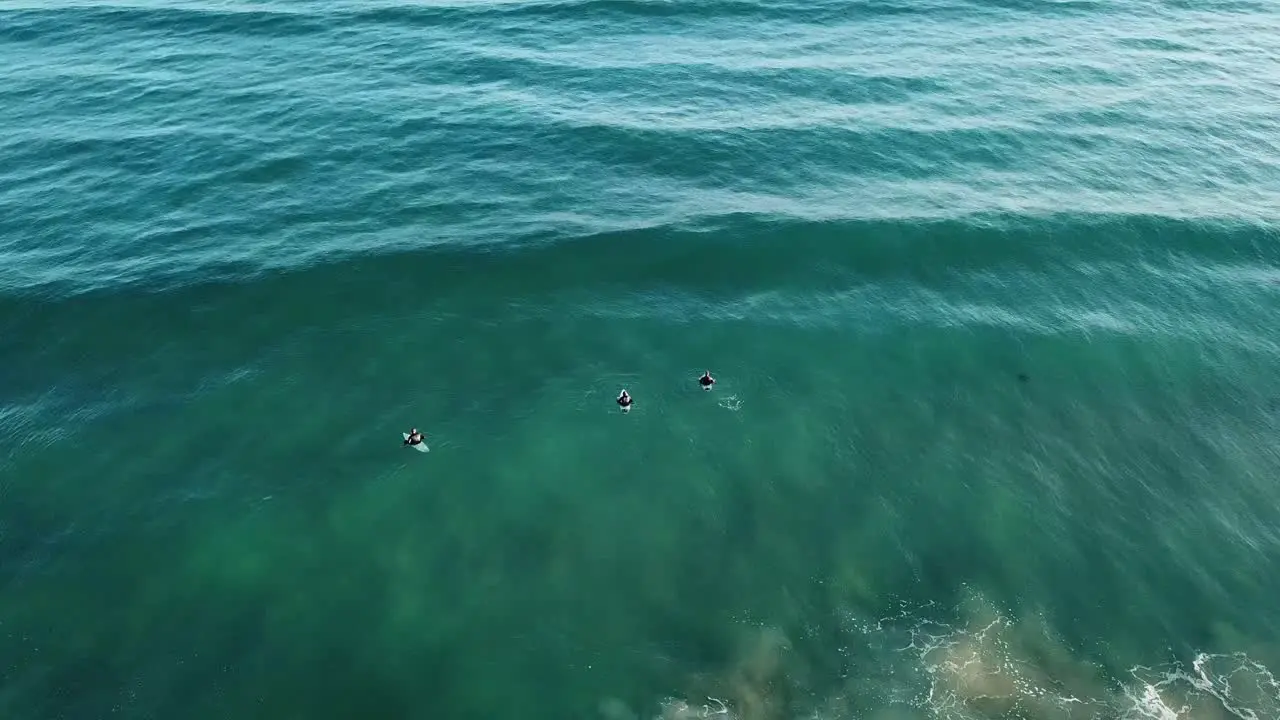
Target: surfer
[(624, 401), (415, 437), (706, 381)]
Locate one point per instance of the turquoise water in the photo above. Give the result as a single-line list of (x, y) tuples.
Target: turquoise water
[(990, 288)]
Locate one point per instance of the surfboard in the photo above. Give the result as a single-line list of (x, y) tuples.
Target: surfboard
[(625, 408), (420, 447)]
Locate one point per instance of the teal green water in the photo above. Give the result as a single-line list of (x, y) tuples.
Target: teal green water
[(990, 287)]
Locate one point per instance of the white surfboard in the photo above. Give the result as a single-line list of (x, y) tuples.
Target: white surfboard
[(420, 447)]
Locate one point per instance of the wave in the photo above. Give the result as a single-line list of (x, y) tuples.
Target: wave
[(1202, 283), (1122, 276), (197, 18), (46, 25), (155, 163), (596, 10), (764, 251), (786, 10), (37, 22)]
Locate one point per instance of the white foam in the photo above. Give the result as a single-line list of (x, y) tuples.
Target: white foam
[(730, 402), (1214, 686), (997, 668), (1150, 705), (991, 666)]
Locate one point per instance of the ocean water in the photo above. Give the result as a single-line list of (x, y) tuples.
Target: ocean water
[(991, 289)]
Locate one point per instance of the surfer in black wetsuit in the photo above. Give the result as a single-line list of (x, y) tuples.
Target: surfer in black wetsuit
[(624, 401), (415, 437), (706, 381)]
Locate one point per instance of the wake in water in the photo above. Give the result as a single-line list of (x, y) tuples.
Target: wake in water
[(987, 667)]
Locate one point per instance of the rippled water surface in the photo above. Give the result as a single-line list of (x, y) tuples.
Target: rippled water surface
[(990, 290)]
